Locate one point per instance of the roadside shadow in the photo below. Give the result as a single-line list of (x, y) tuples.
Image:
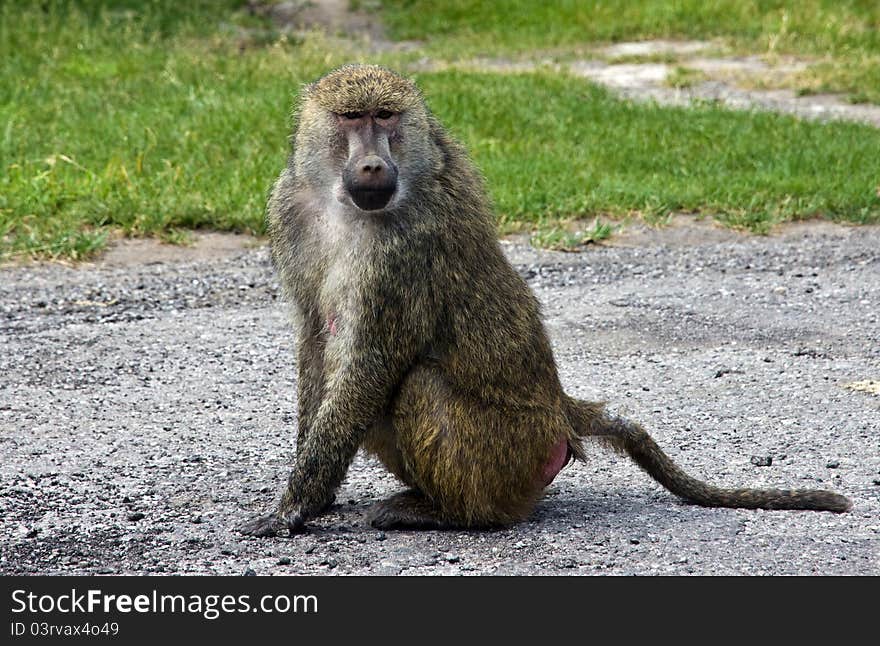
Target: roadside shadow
[(618, 506)]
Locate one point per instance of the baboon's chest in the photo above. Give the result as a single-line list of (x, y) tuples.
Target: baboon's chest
[(342, 295), (339, 298), (337, 303)]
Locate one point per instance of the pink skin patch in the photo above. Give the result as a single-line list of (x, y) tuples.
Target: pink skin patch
[(331, 324), (558, 457)]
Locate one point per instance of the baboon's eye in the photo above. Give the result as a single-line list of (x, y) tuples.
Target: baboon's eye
[(352, 115), (384, 114)]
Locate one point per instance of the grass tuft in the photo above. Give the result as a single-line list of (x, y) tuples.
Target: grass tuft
[(559, 237)]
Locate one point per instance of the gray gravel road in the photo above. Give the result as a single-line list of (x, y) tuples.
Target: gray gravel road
[(147, 408)]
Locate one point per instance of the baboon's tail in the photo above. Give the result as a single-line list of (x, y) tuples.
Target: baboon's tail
[(589, 420)]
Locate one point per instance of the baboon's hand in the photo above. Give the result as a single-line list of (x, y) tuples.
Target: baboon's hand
[(271, 524)]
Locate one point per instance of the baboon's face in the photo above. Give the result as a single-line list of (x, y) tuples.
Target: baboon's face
[(370, 175), (363, 140)]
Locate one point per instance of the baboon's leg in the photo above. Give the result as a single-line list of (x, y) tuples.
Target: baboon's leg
[(406, 510), (476, 463)]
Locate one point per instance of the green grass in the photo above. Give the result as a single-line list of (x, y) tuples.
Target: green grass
[(146, 119), (578, 151), (143, 122), (563, 238), (843, 35)]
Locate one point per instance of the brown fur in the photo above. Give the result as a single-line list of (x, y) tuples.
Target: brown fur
[(420, 343)]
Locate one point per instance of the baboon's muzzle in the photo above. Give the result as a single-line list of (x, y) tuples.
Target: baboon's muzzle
[(370, 181)]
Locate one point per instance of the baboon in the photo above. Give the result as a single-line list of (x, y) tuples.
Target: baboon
[(418, 341)]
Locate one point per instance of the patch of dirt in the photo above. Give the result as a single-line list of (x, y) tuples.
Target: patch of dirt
[(336, 18), (684, 230), (622, 75), (147, 251), (658, 47), (680, 231)]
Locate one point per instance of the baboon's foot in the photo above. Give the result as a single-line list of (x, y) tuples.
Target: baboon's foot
[(272, 524), (262, 526), (406, 510)]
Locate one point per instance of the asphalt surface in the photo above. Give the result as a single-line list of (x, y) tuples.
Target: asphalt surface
[(146, 408)]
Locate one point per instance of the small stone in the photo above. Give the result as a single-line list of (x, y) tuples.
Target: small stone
[(453, 559), (381, 536), (32, 534), (877, 481), (634, 541), (310, 549), (833, 464), (196, 519), (136, 516), (226, 552), (249, 572), (284, 560), (762, 460)]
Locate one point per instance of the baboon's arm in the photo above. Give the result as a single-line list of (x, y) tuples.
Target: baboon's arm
[(310, 380)]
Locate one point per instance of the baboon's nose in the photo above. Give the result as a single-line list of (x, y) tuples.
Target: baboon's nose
[(373, 165)]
